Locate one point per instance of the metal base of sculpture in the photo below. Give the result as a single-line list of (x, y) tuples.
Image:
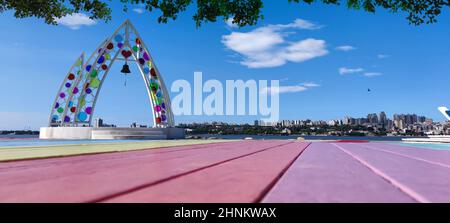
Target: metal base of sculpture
[(86, 133)]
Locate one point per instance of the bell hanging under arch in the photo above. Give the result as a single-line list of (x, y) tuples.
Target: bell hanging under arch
[(125, 69)]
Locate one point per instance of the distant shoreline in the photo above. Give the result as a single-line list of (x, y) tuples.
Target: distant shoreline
[(306, 137), (18, 132)]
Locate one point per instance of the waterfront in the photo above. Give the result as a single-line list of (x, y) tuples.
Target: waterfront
[(224, 168), (310, 137), (10, 137), (34, 141)]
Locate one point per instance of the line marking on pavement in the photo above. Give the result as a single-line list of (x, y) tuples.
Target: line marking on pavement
[(405, 189), (269, 187), (408, 156)]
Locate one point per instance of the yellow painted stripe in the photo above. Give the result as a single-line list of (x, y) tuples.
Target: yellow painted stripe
[(20, 153)]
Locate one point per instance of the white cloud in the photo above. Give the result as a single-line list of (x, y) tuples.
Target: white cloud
[(298, 24), (345, 48), (258, 40), (75, 21), (382, 56), (289, 89), (230, 23), (372, 74), (266, 46), (138, 10), (345, 70), (310, 84), (305, 50)]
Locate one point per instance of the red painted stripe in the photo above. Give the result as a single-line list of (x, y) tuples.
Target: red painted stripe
[(239, 180), (352, 141)]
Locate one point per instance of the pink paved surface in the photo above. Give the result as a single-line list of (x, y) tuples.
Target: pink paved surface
[(365, 172), (241, 180), (428, 182), (325, 174), (246, 171), (97, 177), (436, 156)]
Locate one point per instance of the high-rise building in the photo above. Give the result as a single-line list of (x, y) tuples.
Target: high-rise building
[(395, 117), (98, 122), (287, 123), (399, 123), (383, 119), (389, 124), (361, 121), (346, 121), (421, 119), (414, 118), (372, 118), (408, 119)]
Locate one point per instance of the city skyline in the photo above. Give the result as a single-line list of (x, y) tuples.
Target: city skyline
[(100, 122), (372, 125), (404, 66), (371, 118)]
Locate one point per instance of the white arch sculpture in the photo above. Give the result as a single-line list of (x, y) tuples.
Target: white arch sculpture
[(75, 101)]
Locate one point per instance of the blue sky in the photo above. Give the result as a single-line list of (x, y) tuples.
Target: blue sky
[(407, 67)]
